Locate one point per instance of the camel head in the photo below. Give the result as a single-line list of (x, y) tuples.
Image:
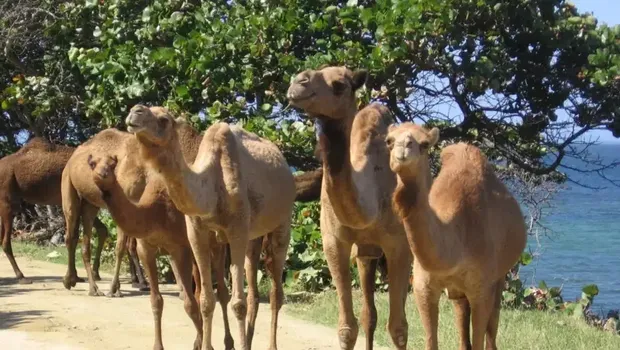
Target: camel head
[(103, 170), (409, 144), (151, 125), (327, 92)]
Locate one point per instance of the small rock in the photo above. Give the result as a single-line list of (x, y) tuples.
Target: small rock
[(611, 325), (53, 255)]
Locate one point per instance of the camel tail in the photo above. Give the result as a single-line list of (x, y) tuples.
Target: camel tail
[(308, 185)]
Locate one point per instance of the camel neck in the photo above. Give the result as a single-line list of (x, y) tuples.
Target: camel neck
[(341, 188), (134, 220), (424, 230)]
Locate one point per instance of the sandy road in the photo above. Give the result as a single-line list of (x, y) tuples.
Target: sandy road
[(45, 315)]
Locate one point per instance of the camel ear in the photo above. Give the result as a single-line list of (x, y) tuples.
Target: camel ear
[(391, 127), (91, 163), (115, 160), (433, 137), (359, 78)]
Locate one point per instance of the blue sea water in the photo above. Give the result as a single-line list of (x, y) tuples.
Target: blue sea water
[(584, 245)]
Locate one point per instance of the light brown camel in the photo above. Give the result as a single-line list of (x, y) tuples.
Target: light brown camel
[(356, 197), (81, 201), (33, 175), (239, 186), (155, 222), (465, 230)]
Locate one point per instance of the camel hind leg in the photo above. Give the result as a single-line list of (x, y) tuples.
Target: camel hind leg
[(183, 260), (251, 270), (276, 246), (399, 258), (71, 207), (218, 252), (6, 231), (138, 280), (102, 235), (148, 255)]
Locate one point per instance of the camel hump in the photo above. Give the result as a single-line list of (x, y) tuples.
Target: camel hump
[(459, 153), (38, 144)]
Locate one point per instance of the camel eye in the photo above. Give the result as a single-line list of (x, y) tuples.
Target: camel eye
[(390, 142), (424, 146), (408, 144), (338, 87)]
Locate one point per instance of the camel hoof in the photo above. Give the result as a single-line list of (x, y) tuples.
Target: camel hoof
[(25, 280), (78, 280), (68, 282), (95, 293), (229, 343), (198, 343), (96, 277), (116, 294)]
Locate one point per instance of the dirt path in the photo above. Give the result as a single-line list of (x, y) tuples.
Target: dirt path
[(45, 315)]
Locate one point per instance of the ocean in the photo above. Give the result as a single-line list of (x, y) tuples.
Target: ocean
[(583, 246)]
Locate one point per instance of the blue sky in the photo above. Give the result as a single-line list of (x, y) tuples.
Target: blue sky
[(606, 11)]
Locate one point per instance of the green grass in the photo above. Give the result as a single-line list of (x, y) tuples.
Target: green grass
[(37, 252), (518, 329)]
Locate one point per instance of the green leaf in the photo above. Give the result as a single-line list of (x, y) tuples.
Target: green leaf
[(146, 14), (331, 8), (97, 32), (266, 107), (5, 105), (526, 258), (542, 285), (182, 91), (590, 290)]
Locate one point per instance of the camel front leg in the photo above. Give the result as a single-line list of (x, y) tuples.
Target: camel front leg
[(201, 247), (482, 306), (102, 235), (183, 260), (121, 246), (462, 315), (148, 255), (427, 300), (88, 216), (337, 254), (5, 236), (251, 270), (367, 268), (492, 327), (399, 260), (137, 279)]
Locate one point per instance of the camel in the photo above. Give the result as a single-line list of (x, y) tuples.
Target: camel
[(355, 198), (155, 222), (33, 174), (239, 186), (465, 230)]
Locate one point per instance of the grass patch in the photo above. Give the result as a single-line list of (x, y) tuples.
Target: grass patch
[(517, 330), (41, 253)]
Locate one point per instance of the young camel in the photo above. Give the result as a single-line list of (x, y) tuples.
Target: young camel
[(465, 230), (355, 198), (240, 186), (155, 222), (33, 175)]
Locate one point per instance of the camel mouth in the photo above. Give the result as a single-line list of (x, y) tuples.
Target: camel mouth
[(134, 128), (296, 98)]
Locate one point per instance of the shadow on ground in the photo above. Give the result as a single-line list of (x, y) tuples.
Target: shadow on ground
[(13, 319)]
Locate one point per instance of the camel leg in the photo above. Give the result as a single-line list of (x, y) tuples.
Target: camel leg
[(148, 254), (200, 243), (88, 216), (138, 280), (492, 327), (183, 260), (427, 300), (5, 235), (337, 254), (238, 301), (251, 270), (121, 246), (219, 256), (367, 268), (462, 314), (399, 266), (71, 209), (277, 248), (102, 235), (482, 306)]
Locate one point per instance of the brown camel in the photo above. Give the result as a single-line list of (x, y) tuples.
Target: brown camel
[(33, 174), (465, 230), (155, 222), (240, 186), (355, 198)]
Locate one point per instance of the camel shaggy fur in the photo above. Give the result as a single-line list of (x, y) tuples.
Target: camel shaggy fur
[(465, 230), (239, 186), (355, 198), (33, 174)]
